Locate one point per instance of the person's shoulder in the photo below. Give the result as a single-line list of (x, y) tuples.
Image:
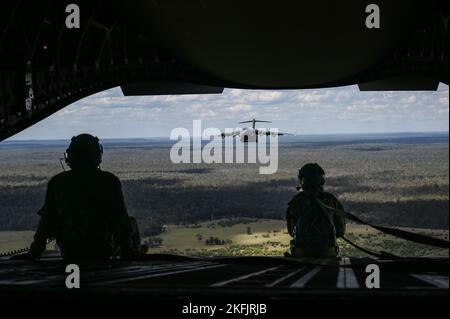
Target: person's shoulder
[(300, 196), (329, 197), (109, 176), (60, 177)]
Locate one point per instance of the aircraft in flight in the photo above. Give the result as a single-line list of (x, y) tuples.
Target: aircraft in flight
[(251, 134)]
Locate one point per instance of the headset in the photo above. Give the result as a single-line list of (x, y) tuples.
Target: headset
[(84, 143), (313, 173)]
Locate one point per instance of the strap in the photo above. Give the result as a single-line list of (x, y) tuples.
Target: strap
[(381, 255), (410, 236), (329, 217)]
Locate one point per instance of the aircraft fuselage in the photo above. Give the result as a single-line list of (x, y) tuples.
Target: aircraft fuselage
[(249, 135)]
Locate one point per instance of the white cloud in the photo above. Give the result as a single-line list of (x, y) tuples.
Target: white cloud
[(239, 108), (333, 110), (409, 99)]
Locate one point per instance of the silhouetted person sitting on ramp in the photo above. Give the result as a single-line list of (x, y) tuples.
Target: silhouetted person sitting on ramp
[(84, 210), (313, 228)]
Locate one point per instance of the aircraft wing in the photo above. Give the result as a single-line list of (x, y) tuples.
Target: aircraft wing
[(267, 133), (230, 134)]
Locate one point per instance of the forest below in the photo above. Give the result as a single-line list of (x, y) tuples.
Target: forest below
[(390, 183)]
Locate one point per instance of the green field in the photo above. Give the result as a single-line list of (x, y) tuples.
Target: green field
[(13, 240), (252, 237), (269, 237), (385, 182)]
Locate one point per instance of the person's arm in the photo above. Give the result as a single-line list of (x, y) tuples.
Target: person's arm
[(45, 227), (290, 217), (339, 221), (121, 226), (40, 237)]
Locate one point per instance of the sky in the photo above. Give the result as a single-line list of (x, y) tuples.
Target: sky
[(343, 110)]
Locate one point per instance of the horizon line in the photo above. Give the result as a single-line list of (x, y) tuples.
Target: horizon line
[(10, 139)]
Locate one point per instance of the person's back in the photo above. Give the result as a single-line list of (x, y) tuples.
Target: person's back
[(88, 209), (313, 228), (84, 208)]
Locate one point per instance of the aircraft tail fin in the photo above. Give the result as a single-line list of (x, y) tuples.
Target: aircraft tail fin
[(254, 121)]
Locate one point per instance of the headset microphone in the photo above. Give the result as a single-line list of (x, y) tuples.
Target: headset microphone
[(84, 149)]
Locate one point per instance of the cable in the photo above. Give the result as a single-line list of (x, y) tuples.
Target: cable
[(410, 236), (381, 255), (15, 252), (20, 251)]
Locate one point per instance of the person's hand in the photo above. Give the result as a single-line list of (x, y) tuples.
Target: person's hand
[(132, 255), (25, 256)]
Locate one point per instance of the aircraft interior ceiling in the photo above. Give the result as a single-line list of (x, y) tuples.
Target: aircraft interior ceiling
[(148, 48)]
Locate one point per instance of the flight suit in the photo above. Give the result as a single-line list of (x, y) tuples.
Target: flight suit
[(85, 212), (314, 230)]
